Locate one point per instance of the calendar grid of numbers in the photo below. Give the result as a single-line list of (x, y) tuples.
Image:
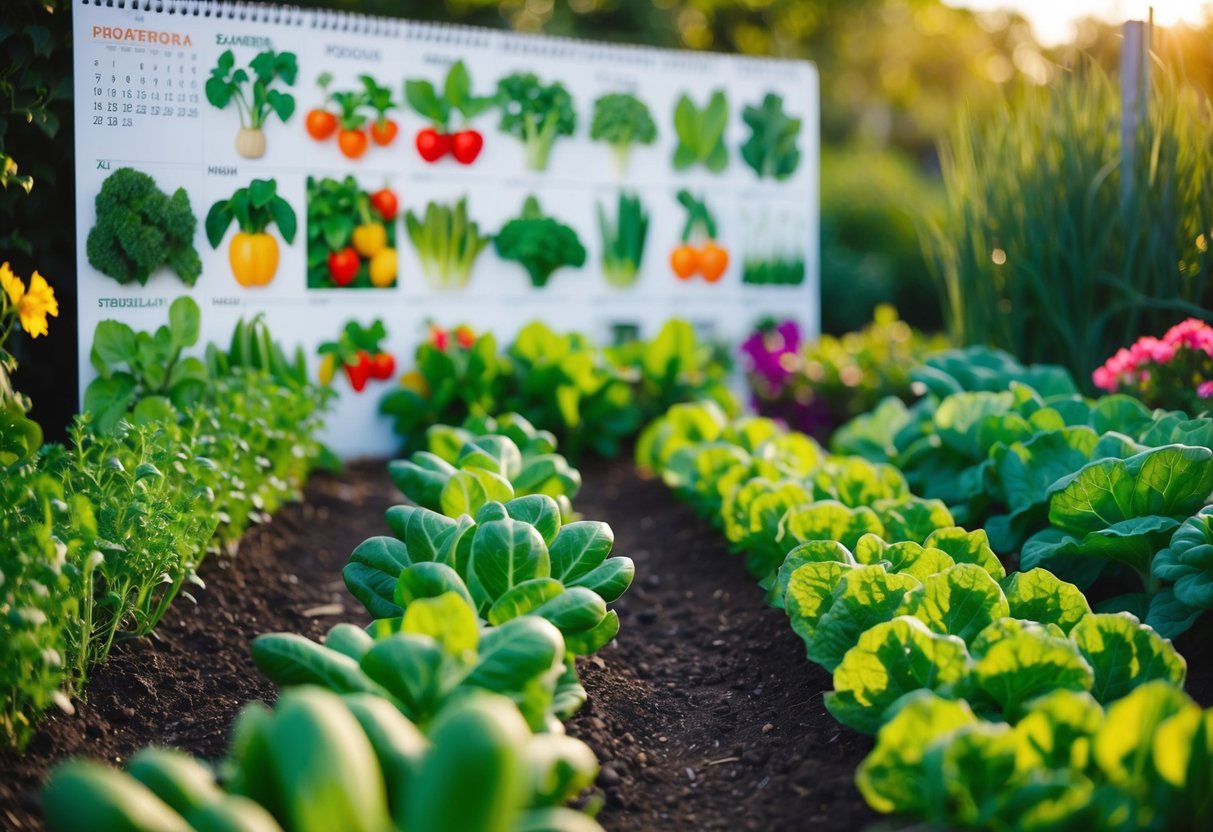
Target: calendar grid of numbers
[(311, 117)]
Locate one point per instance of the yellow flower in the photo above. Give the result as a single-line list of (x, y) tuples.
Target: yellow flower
[(32, 306), (11, 284)]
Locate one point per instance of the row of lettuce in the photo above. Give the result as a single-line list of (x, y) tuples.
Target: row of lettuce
[(998, 700), (174, 459), (443, 713)]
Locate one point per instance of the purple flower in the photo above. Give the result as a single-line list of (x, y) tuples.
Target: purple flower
[(773, 353)]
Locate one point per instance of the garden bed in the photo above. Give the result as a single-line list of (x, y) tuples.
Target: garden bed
[(704, 713)]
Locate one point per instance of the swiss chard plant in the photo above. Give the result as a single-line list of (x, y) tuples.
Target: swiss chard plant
[(771, 149)]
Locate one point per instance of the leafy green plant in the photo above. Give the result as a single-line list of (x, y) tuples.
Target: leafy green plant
[(38, 596), (447, 243), (1059, 244), (539, 243), (255, 97), (935, 757), (339, 214), (623, 240), (536, 114), (452, 379), (771, 148), (462, 471), (701, 132), (322, 761), (622, 120), (139, 229), (145, 373)]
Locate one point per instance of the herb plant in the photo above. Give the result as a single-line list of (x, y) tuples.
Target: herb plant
[(701, 133), (623, 121), (140, 228), (255, 97), (771, 148), (536, 114), (539, 243), (447, 242)]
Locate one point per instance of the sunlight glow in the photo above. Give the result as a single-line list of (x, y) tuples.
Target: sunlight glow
[(1053, 20)]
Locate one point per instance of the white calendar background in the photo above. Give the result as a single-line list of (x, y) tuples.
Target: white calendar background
[(140, 69)]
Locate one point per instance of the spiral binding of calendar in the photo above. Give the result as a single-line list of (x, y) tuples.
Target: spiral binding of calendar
[(446, 34)]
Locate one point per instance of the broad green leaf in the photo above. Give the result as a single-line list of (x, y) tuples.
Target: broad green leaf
[(372, 573), (288, 659), (414, 669), (609, 579), (891, 660), (429, 580), (587, 642), (967, 547), (1017, 667), (1039, 595), (185, 322), (908, 558), (446, 618), (971, 773), (863, 597), (477, 740), (527, 651), (913, 518), (1125, 654), (540, 511), (892, 777), (504, 553), (580, 547), (810, 592), (1123, 745), (524, 598), (423, 484), (466, 492), (830, 520), (575, 610), (960, 601), (349, 641), (815, 551), (1057, 731), (561, 767), (1172, 481)]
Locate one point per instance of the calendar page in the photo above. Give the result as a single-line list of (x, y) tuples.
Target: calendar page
[(344, 168)]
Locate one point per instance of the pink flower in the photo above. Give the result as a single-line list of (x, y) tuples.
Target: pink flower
[(1104, 379), (1205, 390), (1161, 352)]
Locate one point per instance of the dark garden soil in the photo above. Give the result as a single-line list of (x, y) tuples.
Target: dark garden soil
[(705, 712)]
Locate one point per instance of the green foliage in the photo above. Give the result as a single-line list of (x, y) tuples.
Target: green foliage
[(447, 241), (456, 96), (178, 461), (1060, 244), (320, 760), (227, 84), (539, 243), (462, 471), (623, 240), (701, 132), (140, 228), (872, 201), (1141, 763), (536, 114), (622, 120), (771, 149), (561, 381), (254, 348), (145, 373), (253, 209)]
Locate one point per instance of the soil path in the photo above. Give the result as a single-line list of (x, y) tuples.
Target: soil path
[(705, 712)]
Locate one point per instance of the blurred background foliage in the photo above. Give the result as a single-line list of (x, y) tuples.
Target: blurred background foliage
[(896, 73)]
